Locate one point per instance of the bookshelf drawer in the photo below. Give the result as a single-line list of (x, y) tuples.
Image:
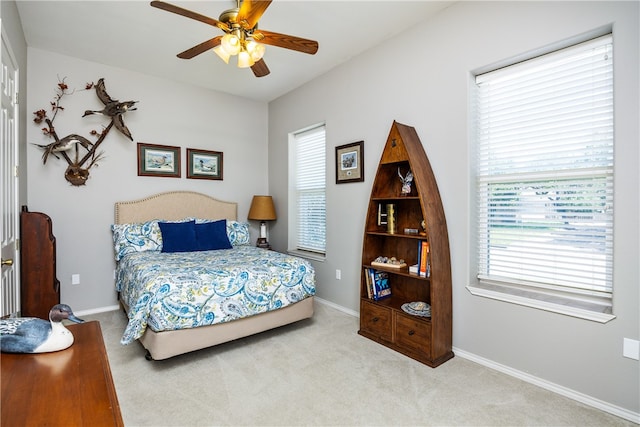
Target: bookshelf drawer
[(413, 334), (375, 320)]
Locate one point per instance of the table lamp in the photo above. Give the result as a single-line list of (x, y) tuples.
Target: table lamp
[(262, 210)]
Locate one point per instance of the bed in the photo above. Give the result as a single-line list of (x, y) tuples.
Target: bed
[(182, 301)]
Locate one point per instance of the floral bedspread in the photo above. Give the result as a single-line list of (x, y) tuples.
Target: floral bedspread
[(168, 291)]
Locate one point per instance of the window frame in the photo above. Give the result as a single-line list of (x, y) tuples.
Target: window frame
[(294, 246), (551, 299)]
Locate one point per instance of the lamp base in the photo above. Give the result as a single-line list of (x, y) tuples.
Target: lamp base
[(262, 243)]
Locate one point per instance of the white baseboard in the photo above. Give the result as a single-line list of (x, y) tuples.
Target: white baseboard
[(547, 385), (337, 307), (96, 310)]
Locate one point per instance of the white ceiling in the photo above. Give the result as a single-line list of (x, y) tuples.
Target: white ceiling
[(135, 36)]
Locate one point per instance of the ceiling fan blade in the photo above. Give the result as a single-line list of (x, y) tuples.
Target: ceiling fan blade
[(251, 11), (260, 68), (201, 48), (188, 13), (288, 42)]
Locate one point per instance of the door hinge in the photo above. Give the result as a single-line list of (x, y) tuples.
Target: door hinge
[(17, 171), (17, 99)]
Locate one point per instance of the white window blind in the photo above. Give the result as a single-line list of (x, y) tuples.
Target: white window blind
[(310, 188), (545, 174)]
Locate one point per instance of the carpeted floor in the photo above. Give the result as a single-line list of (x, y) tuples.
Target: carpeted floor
[(320, 372)]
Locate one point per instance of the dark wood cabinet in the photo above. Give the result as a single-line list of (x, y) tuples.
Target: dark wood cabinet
[(418, 216), (39, 286)]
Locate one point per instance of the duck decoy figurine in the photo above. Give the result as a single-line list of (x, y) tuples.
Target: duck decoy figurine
[(112, 108), (34, 335)]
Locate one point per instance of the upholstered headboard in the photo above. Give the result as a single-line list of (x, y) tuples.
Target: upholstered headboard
[(174, 205)]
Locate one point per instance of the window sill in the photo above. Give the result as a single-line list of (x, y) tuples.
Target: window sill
[(308, 255), (553, 303)]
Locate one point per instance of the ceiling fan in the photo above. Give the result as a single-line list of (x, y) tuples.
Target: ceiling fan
[(242, 36)]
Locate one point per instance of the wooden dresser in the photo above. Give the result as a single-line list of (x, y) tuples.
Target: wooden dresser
[(72, 387), (39, 287)]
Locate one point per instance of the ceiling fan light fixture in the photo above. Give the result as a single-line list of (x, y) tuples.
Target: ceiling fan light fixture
[(241, 35), (245, 60), (223, 54), (231, 44)]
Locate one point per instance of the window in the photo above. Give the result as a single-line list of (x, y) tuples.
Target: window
[(544, 181), (307, 185)]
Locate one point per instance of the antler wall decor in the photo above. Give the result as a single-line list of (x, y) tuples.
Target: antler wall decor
[(77, 171)]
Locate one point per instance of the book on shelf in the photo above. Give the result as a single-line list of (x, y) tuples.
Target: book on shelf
[(381, 288), (377, 282), (368, 281), (424, 261)]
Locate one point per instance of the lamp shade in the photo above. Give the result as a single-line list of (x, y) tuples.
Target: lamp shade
[(262, 209), (231, 44), (244, 59), (223, 54)]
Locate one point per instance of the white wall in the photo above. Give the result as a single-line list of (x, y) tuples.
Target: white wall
[(421, 78), (168, 113)]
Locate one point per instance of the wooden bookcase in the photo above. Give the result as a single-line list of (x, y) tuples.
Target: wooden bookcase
[(426, 339)]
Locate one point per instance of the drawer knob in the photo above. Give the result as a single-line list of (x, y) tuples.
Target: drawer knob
[(412, 332), (375, 319)]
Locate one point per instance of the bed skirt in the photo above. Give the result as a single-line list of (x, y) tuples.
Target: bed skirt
[(166, 344)]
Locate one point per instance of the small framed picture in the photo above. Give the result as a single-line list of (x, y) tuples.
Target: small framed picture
[(158, 160), (202, 164), (349, 163)]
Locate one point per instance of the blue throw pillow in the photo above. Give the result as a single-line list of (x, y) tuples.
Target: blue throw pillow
[(178, 236), (212, 235)]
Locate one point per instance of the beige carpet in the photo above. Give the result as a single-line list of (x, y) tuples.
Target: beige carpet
[(321, 372)]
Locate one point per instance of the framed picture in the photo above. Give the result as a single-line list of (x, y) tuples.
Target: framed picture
[(158, 160), (202, 164), (349, 163)]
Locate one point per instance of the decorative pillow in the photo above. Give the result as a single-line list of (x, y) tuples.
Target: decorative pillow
[(137, 237), (212, 235), (186, 219), (238, 233), (178, 236)]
